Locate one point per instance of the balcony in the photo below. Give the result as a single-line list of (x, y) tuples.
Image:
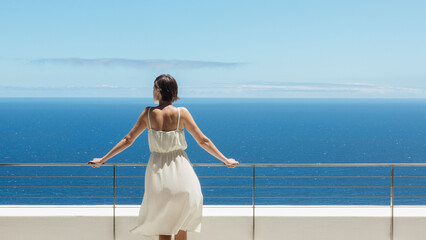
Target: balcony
[(251, 201)]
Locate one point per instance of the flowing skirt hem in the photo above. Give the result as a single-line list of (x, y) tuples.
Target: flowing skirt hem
[(196, 229)]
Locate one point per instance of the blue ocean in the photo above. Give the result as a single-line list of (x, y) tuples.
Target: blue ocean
[(252, 131)]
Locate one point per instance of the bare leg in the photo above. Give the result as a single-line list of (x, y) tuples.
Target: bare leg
[(165, 237), (181, 235)]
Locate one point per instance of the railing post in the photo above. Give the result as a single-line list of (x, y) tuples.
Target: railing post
[(391, 204), (253, 201), (113, 219)]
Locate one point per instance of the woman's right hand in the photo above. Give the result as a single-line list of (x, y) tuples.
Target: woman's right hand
[(231, 163)]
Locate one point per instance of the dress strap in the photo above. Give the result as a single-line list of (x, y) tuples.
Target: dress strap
[(149, 121), (177, 128)]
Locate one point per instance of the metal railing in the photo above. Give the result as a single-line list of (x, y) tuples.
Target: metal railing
[(385, 181)]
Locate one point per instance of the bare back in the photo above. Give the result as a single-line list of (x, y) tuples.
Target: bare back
[(165, 119)]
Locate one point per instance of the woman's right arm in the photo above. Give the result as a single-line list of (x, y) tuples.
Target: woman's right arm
[(202, 140)]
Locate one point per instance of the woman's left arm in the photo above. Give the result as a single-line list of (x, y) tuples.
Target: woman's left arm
[(126, 142)]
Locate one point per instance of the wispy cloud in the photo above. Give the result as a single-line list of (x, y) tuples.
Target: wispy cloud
[(270, 90), (135, 63), (101, 90), (329, 87), (70, 87)]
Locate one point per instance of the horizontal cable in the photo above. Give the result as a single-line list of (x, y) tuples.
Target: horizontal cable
[(89, 186), (218, 197), (58, 176), (222, 165), (214, 176), (60, 197)]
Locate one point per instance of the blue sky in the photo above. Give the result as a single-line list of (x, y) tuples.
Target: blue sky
[(270, 49)]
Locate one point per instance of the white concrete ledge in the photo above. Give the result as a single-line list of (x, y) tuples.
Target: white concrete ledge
[(22, 222)]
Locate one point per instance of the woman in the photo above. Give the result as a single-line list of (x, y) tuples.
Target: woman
[(173, 201)]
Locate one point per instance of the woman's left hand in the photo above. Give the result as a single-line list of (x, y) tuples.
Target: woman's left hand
[(97, 162)]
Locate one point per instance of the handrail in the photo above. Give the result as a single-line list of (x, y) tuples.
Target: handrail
[(391, 175), (241, 164)]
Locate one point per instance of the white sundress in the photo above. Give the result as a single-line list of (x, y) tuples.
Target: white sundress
[(172, 197)]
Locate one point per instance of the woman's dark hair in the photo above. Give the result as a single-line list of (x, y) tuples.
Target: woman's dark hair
[(168, 87)]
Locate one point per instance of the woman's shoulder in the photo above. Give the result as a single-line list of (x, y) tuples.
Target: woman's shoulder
[(183, 109), (147, 110), (185, 113)]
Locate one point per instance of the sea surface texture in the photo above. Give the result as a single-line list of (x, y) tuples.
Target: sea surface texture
[(252, 131)]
